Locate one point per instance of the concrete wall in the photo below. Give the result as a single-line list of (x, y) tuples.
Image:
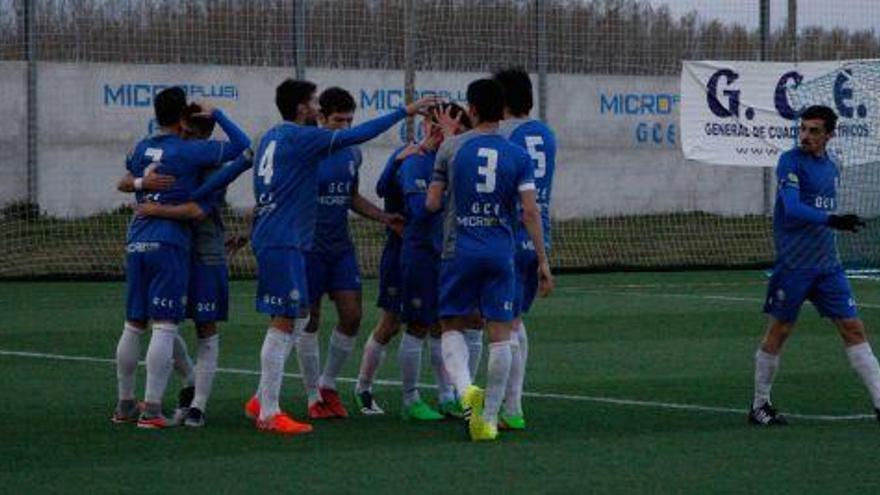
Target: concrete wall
[(618, 136)]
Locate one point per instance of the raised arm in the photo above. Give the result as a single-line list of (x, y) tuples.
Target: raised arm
[(225, 176), (238, 140)]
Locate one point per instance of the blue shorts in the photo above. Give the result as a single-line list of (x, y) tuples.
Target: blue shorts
[(390, 278), (468, 285), (282, 289), (420, 268), (829, 292), (156, 276), (328, 273), (208, 293), (526, 280)]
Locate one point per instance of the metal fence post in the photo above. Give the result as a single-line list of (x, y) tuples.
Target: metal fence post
[(299, 28), (30, 14), (767, 183), (541, 51), (409, 56)]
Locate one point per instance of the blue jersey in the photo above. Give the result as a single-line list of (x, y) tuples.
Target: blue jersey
[(388, 188), (801, 244), (540, 143), (185, 161), (483, 173), (337, 183), (423, 229), (285, 178)]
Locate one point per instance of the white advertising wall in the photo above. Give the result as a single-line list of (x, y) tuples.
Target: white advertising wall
[(619, 136)]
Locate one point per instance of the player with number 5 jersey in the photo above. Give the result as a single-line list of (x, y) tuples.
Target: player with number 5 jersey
[(484, 176), (540, 143)]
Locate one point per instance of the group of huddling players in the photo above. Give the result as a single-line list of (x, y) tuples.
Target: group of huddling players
[(467, 211)]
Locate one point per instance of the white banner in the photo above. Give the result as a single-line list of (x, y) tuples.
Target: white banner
[(739, 113)]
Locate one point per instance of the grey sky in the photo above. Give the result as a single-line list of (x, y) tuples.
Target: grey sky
[(852, 14)]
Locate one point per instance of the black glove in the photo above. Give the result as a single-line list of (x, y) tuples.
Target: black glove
[(848, 222)]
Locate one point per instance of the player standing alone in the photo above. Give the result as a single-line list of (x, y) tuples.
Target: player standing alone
[(484, 174), (808, 264)]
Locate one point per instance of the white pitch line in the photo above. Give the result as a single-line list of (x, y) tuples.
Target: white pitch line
[(538, 395), (707, 297)]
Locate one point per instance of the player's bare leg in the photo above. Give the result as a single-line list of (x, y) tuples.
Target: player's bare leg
[(128, 351), (374, 353), (766, 365), (348, 309), (861, 356)]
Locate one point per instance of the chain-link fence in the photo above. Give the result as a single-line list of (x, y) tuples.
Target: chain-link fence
[(75, 73)]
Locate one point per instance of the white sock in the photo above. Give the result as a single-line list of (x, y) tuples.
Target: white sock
[(182, 362), (765, 370), (308, 353), (500, 357), (159, 361), (409, 356), (520, 349), (341, 346), (474, 338), (445, 391), (273, 355), (128, 351), (374, 353), (206, 366), (455, 358), (862, 359)]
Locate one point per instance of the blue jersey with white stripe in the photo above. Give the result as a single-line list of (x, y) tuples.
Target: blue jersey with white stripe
[(184, 160), (539, 141), (285, 177), (337, 183), (483, 173), (801, 244)]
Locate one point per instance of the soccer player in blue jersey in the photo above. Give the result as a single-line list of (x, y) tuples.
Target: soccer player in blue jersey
[(540, 142), (420, 271), (808, 265), (208, 292), (331, 263), (388, 301), (157, 263), (483, 175), (285, 189)]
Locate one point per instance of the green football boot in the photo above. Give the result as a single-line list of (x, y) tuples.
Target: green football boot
[(451, 409), (511, 422), (420, 411)]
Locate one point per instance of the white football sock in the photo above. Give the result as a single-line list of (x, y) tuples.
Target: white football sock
[(445, 391), (128, 351), (273, 355), (455, 358), (765, 370), (159, 361), (409, 356), (374, 353), (474, 338), (341, 346), (862, 359), (500, 356), (206, 366), (308, 353), (182, 362), (520, 349)]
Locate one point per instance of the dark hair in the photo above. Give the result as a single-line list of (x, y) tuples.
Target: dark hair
[(336, 100), (517, 89), (290, 94), (201, 127), (822, 112), (454, 111), (487, 97), (169, 104)]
